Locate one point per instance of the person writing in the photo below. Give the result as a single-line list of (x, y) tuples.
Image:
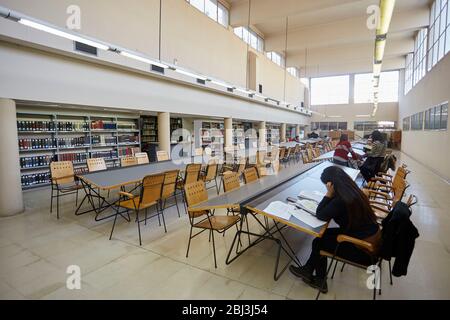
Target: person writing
[(343, 148), (349, 207)]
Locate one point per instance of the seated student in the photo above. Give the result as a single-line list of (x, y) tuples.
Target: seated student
[(297, 139), (375, 156), (313, 135), (343, 148), (347, 205)]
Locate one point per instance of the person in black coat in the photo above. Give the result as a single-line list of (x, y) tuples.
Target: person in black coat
[(349, 207)]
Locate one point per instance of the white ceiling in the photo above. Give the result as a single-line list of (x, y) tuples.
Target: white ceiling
[(330, 36)]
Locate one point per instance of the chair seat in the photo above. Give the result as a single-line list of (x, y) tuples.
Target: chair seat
[(134, 203), (217, 222), (69, 187), (330, 255)]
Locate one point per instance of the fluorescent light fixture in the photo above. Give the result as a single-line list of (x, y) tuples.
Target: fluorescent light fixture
[(243, 91), (63, 34), (142, 59), (377, 68), (363, 115), (379, 50), (386, 11), (334, 116), (386, 123), (190, 74)]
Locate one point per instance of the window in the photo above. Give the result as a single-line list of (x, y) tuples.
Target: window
[(250, 37), (330, 90), (417, 121), (294, 71), (326, 126), (369, 126), (406, 124), (276, 57), (439, 34), (213, 9), (436, 118), (409, 72), (420, 56), (388, 90)]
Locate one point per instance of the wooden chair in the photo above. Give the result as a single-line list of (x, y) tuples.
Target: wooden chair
[(231, 181), (250, 175), (385, 201), (142, 158), (96, 164), (169, 188), (304, 155), (205, 220), (191, 174), (128, 161), (149, 196), (62, 182), (371, 250), (162, 156), (210, 174)]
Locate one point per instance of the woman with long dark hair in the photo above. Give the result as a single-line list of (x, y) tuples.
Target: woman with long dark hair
[(349, 207)]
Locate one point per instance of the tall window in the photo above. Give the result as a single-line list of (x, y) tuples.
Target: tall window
[(250, 37), (330, 90), (420, 55), (439, 36), (409, 72), (213, 9), (388, 89), (277, 58), (294, 71)]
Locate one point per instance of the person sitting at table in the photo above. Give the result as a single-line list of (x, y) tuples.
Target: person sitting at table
[(343, 148), (349, 207), (375, 156), (313, 135)]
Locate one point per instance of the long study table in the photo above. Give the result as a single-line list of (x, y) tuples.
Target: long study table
[(254, 197), (330, 154)]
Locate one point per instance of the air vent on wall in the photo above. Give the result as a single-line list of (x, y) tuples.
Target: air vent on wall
[(230, 89), (200, 81), (260, 88), (157, 69), (85, 48)]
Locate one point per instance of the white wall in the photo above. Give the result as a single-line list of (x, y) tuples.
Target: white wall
[(432, 148), (187, 35)]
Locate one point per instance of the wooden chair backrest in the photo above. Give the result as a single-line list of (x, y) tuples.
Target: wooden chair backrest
[(127, 161), (305, 158), (162, 155), (231, 181), (399, 187), (151, 189), (192, 173), (211, 170), (250, 175), (310, 154), (142, 158), (96, 164), (195, 193), (282, 152), (170, 182), (62, 172), (260, 157), (242, 163)]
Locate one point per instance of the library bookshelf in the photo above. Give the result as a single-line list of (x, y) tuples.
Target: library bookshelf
[(47, 137)]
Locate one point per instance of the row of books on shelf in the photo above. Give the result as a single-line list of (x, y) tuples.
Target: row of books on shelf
[(103, 140), (38, 161), (30, 144), (73, 142), (36, 126), (35, 179), (73, 126), (74, 157), (101, 125)]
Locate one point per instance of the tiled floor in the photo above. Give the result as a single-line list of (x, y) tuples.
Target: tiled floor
[(36, 249)]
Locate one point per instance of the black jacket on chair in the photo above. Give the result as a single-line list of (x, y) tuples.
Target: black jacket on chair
[(371, 167), (399, 237)]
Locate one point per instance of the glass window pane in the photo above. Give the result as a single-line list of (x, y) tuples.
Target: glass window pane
[(323, 125), (444, 116), (330, 90), (437, 117), (222, 15), (199, 4), (253, 40), (441, 47), (211, 9), (245, 35), (447, 41)]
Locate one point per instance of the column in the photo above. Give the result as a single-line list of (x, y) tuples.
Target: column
[(297, 130), (228, 132), (262, 133), (11, 200), (164, 132), (283, 132)]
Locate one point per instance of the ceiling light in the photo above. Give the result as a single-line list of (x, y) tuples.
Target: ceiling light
[(142, 59), (377, 69), (63, 34), (363, 115), (190, 74), (220, 83), (386, 11), (243, 91)]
